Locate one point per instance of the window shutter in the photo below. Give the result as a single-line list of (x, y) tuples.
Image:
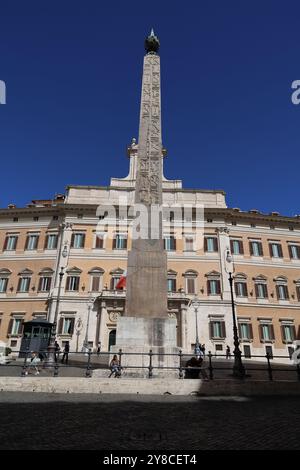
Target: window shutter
[(26, 243), (72, 240), (83, 241), (298, 292), (99, 241), (19, 284), (240, 330), (223, 329), (272, 333), (125, 244), (71, 328), (216, 245), (60, 326), (286, 292), (40, 284), (293, 332), (114, 243), (282, 334), (277, 292), (174, 243), (290, 251), (251, 248), (245, 289), (5, 243), (271, 250), (250, 331), (46, 241), (260, 249), (280, 251), (241, 247), (298, 251), (265, 290), (68, 283), (205, 244), (236, 289), (20, 330), (298, 333), (211, 330), (10, 326), (231, 246), (208, 288), (218, 287), (261, 335)]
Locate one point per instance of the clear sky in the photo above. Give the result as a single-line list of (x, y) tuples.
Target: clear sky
[(73, 76)]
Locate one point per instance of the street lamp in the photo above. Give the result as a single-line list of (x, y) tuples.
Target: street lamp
[(85, 346), (238, 367), (197, 349), (51, 348)]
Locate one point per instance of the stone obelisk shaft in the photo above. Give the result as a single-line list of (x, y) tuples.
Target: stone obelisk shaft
[(147, 261)]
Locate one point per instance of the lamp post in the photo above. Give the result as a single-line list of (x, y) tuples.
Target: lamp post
[(238, 367), (85, 346), (197, 350), (51, 348)]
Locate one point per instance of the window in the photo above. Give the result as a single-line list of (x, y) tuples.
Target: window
[(213, 287), (256, 248), (51, 241), (99, 241), (210, 244), (170, 243), (55, 217), (32, 242), (294, 251), (66, 326), (16, 219), (298, 290), (15, 327), (45, 283), (35, 219), (4, 276), (10, 243), (189, 243), (275, 250), (261, 290), (217, 329), (3, 284), (288, 332), (120, 242), (72, 283), (241, 288), (78, 240), (96, 279), (114, 281), (237, 247), (172, 285), (24, 284), (190, 285), (282, 292), (245, 331), (266, 332)]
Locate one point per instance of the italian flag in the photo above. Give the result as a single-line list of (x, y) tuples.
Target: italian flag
[(122, 281)]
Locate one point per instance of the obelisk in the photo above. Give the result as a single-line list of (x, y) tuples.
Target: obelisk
[(146, 325), (146, 294)]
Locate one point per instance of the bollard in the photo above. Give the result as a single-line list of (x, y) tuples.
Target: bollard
[(269, 366), (180, 364), (210, 367), (150, 364), (88, 369)]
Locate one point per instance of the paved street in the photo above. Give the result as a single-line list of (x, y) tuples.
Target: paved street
[(104, 422)]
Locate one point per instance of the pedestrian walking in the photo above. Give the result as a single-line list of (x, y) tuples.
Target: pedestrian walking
[(56, 351), (228, 352), (66, 353)]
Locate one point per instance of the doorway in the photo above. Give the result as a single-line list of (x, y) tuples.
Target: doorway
[(112, 338)]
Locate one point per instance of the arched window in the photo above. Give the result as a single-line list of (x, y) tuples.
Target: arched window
[(4, 276)]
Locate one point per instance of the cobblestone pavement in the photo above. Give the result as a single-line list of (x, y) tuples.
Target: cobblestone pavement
[(104, 422)]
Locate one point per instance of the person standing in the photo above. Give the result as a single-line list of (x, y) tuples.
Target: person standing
[(228, 352), (56, 351), (99, 348), (66, 352)]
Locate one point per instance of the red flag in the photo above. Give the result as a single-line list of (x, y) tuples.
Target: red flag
[(121, 284)]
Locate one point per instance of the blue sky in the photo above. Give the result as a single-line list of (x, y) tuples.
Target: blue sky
[(73, 76)]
